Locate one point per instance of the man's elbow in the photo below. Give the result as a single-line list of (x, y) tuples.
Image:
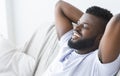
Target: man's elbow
[(58, 4), (117, 18)]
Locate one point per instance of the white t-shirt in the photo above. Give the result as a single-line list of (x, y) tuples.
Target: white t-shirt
[(69, 63), (14, 62)]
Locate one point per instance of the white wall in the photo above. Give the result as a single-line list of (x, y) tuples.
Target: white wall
[(10, 20), (113, 6), (3, 19), (31, 14)]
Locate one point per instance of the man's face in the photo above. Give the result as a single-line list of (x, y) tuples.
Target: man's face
[(85, 33)]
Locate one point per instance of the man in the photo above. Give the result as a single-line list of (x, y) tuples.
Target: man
[(91, 48)]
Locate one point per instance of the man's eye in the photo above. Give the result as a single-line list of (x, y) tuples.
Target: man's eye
[(85, 26), (78, 22)]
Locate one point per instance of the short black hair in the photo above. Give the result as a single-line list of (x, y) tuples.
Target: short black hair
[(100, 12)]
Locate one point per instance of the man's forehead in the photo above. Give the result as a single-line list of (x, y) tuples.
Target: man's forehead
[(89, 18)]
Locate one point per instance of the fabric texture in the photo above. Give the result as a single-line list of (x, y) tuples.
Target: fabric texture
[(14, 62), (43, 47)]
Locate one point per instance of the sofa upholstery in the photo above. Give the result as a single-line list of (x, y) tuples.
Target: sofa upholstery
[(43, 47)]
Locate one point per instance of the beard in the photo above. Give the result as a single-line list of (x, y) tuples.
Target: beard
[(82, 44)]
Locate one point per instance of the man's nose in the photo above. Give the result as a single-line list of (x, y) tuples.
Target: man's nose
[(78, 27)]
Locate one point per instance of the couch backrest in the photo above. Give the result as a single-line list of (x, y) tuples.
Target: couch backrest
[(43, 46), (48, 52)]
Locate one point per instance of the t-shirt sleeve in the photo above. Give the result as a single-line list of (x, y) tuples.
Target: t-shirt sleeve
[(64, 39), (107, 69), (64, 48)]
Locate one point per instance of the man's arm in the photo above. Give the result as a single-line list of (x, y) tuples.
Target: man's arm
[(110, 42), (65, 14)]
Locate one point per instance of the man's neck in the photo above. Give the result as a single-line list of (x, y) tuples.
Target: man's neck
[(85, 51)]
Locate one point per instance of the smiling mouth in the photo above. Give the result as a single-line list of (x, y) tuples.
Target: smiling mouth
[(76, 35)]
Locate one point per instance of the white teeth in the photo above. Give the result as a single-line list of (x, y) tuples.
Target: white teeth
[(76, 34)]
